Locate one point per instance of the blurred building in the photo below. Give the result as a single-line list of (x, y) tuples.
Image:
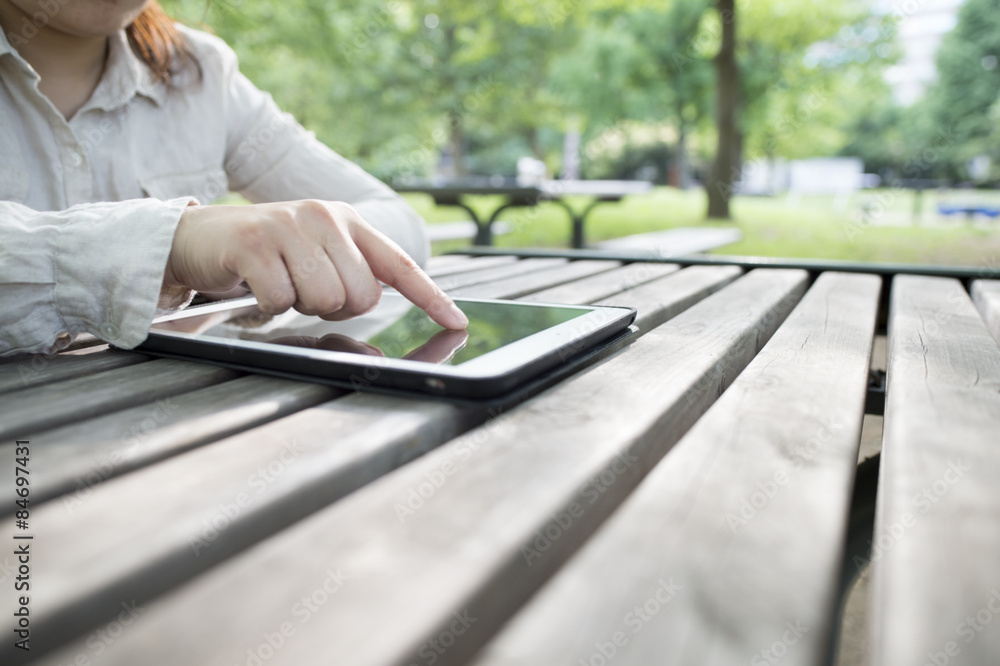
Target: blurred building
[(922, 24)]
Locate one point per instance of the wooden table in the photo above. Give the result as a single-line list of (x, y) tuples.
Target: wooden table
[(527, 196), (687, 500)]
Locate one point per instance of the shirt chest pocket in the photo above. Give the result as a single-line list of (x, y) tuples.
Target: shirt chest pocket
[(13, 184), (205, 185)]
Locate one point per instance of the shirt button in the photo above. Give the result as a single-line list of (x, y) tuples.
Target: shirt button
[(74, 159), (109, 331)]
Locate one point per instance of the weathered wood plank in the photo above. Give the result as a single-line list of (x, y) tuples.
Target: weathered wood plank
[(35, 370), (451, 282), (936, 549), (84, 341), (75, 458), (439, 268), (53, 405), (738, 531), (373, 434), (526, 284), (603, 285), (661, 299), (445, 260), (442, 535), (986, 296), (89, 346)]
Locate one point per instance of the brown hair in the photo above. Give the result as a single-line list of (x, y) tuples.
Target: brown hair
[(155, 38)]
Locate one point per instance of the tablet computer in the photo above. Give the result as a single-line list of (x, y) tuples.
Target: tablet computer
[(396, 346)]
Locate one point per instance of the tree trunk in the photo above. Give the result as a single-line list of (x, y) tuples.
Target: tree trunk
[(719, 184), (681, 159), (457, 138), (531, 136)]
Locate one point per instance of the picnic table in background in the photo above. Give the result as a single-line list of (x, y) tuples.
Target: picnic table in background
[(514, 194), (686, 499)]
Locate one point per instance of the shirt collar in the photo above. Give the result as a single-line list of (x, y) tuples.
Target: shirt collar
[(125, 75), (5, 46)]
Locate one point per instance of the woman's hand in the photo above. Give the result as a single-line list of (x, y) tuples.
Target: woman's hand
[(318, 257)]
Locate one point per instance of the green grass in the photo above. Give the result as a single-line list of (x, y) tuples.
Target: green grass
[(809, 226)]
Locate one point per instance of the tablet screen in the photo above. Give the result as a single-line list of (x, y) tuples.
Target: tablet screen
[(395, 329)]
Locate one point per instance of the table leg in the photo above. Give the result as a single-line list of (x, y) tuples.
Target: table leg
[(577, 220), (485, 235)]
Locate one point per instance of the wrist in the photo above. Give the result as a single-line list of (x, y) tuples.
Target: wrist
[(172, 278)]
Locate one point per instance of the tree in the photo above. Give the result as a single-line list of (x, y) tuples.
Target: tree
[(679, 75), (962, 107), (719, 183)]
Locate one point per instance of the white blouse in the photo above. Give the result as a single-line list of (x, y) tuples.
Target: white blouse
[(88, 207)]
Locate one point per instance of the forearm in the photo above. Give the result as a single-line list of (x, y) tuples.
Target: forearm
[(96, 268)]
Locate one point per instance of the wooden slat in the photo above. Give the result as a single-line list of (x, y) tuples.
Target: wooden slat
[(83, 341), (341, 445), (661, 299), (36, 370), (445, 260), (485, 496), (739, 529), (93, 346), (986, 296), (53, 405), (936, 547), (603, 285), (76, 457), (527, 284), (438, 268), (503, 272)]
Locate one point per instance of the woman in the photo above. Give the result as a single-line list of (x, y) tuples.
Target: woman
[(114, 124)]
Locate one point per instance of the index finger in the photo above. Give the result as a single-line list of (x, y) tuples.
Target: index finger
[(391, 265)]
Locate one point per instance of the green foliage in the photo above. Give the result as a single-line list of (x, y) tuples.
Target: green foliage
[(396, 84), (961, 111)]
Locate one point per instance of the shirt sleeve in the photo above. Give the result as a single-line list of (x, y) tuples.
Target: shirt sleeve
[(270, 157), (95, 268)]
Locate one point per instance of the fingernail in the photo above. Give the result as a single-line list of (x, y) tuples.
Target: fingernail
[(458, 316)]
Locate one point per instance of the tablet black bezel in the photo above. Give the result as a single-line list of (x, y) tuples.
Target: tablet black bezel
[(495, 373)]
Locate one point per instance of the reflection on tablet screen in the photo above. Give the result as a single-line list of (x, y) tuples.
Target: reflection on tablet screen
[(396, 329)]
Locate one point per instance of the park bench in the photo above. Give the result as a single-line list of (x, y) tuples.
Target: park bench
[(691, 498), (463, 230), (673, 242), (520, 195)]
